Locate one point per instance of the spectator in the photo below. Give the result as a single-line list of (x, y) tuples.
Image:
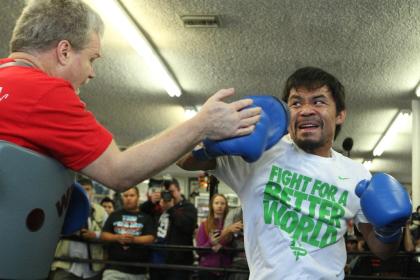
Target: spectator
[(210, 235), (126, 229), (234, 226), (108, 204), (350, 229), (176, 227), (75, 249), (351, 247), (409, 242), (152, 205), (415, 224)]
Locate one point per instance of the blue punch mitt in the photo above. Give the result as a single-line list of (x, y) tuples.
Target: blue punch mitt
[(268, 131), (78, 210), (386, 204)]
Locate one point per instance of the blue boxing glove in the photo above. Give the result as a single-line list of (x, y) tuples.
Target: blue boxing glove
[(78, 210), (386, 205), (268, 131)]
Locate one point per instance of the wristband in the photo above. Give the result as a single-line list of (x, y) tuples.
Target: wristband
[(388, 235), (201, 154)]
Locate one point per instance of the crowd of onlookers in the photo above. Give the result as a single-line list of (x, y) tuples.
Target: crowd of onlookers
[(360, 262), (168, 218), (165, 218)]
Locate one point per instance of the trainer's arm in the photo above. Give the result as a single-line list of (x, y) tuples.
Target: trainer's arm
[(217, 120), (380, 249)]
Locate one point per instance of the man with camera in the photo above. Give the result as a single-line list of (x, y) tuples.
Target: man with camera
[(175, 227), (152, 205)]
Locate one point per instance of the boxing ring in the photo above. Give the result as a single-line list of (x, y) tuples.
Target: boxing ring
[(38, 201), (409, 270)]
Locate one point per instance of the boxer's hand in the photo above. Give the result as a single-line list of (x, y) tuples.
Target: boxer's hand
[(268, 131), (386, 204), (223, 120)]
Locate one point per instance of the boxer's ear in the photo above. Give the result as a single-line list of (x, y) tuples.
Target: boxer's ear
[(341, 117)]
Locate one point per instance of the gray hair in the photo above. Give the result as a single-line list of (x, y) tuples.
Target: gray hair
[(44, 23)]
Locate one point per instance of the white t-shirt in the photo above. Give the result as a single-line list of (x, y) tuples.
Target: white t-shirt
[(295, 208)]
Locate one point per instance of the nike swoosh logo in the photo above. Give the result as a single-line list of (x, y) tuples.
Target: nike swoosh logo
[(343, 178), (4, 97)]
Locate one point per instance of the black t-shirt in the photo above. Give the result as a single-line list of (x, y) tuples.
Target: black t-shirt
[(137, 224)]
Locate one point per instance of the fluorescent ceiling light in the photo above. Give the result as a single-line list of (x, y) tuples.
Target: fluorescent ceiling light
[(112, 10), (402, 117), (367, 164)]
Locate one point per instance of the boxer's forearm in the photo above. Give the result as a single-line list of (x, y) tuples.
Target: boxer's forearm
[(382, 250), (188, 162)]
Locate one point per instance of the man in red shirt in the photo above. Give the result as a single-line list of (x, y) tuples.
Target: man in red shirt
[(53, 47)]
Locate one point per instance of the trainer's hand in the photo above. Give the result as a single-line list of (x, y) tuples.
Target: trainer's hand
[(224, 120), (272, 126)]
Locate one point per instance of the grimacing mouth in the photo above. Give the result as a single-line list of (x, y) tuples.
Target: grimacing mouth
[(309, 124)]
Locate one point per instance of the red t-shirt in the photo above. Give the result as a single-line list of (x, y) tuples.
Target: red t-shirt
[(44, 114)]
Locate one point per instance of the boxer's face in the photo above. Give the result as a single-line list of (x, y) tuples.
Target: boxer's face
[(313, 118)]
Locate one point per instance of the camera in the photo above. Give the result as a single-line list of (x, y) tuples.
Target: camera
[(166, 195)]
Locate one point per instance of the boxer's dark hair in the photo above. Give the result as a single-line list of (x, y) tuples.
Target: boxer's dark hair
[(312, 78)]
